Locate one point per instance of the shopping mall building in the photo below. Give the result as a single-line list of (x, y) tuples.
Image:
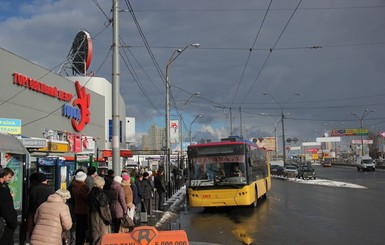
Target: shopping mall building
[(58, 121), (36, 102)]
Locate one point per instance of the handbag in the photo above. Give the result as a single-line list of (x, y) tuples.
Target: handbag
[(127, 222), (2, 226), (64, 238)]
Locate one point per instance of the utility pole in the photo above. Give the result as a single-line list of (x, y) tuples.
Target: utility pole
[(282, 123), (181, 138), (115, 89), (174, 55), (231, 122), (361, 120), (240, 122), (283, 136)]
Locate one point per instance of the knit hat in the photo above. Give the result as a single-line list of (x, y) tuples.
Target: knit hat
[(118, 179), (81, 176), (65, 194), (125, 177), (40, 177)]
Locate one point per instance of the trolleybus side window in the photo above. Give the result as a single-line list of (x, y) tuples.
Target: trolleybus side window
[(259, 163)]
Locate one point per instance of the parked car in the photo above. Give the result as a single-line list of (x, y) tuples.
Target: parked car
[(290, 171), (306, 172), (327, 162), (276, 170)]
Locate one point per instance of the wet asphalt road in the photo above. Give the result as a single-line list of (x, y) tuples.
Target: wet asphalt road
[(297, 213)]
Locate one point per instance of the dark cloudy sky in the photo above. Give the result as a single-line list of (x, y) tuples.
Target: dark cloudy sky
[(331, 52)]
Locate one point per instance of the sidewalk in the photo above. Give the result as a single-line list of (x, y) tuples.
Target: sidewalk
[(163, 220)]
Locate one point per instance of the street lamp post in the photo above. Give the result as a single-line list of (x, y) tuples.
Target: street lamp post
[(198, 116), (361, 120), (174, 55), (196, 94), (282, 123)]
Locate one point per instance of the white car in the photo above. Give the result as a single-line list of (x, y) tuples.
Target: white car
[(290, 171), (365, 163)]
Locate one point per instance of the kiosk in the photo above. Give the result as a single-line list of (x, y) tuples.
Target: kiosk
[(57, 171)]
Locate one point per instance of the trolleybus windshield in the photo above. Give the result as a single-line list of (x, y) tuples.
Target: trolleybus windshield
[(220, 165)]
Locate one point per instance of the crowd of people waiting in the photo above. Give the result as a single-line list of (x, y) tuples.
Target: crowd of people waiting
[(92, 205)]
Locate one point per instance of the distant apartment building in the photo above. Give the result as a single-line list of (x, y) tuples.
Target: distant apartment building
[(154, 140)]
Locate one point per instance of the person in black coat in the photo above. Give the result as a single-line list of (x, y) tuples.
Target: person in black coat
[(39, 193), (147, 189), (108, 179), (8, 213), (160, 185)]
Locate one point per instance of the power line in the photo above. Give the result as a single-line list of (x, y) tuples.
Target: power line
[(313, 108), (249, 55), (136, 79), (257, 9), (315, 46), (268, 56), (131, 10)]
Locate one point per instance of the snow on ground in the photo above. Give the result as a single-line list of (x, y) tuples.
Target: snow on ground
[(324, 182)]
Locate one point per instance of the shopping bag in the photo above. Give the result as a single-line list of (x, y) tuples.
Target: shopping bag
[(143, 213)]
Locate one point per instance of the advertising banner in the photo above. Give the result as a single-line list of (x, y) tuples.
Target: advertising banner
[(268, 143), (349, 132), (11, 126), (74, 141), (328, 139), (15, 163), (174, 135), (88, 144), (359, 142)]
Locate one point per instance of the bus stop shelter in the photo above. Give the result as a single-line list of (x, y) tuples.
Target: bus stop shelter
[(14, 155)]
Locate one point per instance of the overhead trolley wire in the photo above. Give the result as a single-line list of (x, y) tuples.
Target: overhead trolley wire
[(271, 50), (250, 50)]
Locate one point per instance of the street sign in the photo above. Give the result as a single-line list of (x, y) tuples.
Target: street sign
[(10, 126), (33, 142)]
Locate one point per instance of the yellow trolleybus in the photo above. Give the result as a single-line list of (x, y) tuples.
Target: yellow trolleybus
[(232, 172)]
